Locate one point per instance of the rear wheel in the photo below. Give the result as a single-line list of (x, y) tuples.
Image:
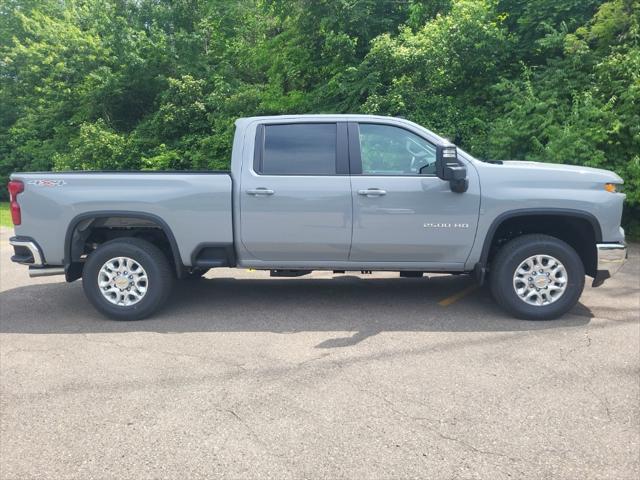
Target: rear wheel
[(127, 279), (537, 277)]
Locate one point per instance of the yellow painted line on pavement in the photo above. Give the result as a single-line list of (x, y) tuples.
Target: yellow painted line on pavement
[(457, 296)]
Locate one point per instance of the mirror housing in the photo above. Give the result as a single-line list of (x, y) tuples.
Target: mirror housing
[(448, 168), (454, 172)]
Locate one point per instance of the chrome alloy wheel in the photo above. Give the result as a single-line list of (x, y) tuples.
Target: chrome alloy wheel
[(123, 281), (540, 280)]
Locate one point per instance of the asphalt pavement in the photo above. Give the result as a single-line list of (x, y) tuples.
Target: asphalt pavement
[(326, 376)]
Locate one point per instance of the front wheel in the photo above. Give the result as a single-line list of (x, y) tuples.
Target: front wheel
[(127, 279), (537, 277)]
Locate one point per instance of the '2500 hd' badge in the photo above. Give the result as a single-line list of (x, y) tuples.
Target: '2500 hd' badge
[(47, 183), (446, 225)]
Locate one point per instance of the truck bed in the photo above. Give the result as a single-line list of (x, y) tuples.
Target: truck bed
[(194, 206)]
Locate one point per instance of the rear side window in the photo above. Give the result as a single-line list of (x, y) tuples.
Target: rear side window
[(299, 149)]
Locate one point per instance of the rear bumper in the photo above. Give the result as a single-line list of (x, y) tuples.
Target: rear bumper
[(26, 251), (611, 257)]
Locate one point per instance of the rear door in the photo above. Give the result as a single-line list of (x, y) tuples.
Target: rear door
[(296, 197), (402, 211)]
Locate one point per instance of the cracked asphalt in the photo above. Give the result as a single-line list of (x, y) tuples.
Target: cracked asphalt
[(345, 376)]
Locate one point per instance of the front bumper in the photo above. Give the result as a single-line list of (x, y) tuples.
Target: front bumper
[(611, 257)]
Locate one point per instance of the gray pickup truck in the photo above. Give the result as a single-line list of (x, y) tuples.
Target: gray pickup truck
[(326, 192)]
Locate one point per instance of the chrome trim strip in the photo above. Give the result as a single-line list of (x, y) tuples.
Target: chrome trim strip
[(31, 246), (611, 257)]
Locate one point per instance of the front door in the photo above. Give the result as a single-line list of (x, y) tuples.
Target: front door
[(296, 197), (402, 211)]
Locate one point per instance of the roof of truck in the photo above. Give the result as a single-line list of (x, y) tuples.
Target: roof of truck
[(323, 116)]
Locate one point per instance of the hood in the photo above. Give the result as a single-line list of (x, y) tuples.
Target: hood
[(555, 170)]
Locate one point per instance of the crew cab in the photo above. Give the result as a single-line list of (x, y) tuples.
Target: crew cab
[(326, 192)]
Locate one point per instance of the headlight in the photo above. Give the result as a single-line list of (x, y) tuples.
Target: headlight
[(613, 187)]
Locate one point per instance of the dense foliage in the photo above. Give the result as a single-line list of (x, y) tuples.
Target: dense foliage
[(157, 84)]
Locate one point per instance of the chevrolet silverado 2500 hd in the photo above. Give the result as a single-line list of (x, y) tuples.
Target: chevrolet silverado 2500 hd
[(326, 192)]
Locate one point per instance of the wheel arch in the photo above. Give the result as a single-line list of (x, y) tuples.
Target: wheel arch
[(543, 220), (73, 245)]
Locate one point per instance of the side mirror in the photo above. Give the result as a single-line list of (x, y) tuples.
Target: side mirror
[(449, 169), (454, 172)]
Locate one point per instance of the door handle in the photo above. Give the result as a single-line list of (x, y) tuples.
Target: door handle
[(260, 191), (372, 192)]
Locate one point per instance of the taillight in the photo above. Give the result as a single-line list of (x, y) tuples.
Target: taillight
[(15, 187)]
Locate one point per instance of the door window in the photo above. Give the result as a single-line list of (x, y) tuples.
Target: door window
[(389, 150), (299, 149)]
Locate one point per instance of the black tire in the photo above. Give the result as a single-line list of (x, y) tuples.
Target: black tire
[(152, 260), (511, 255)]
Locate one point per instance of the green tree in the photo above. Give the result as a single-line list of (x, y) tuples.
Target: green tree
[(158, 84)]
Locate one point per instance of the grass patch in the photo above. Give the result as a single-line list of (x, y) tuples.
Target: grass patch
[(5, 215)]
